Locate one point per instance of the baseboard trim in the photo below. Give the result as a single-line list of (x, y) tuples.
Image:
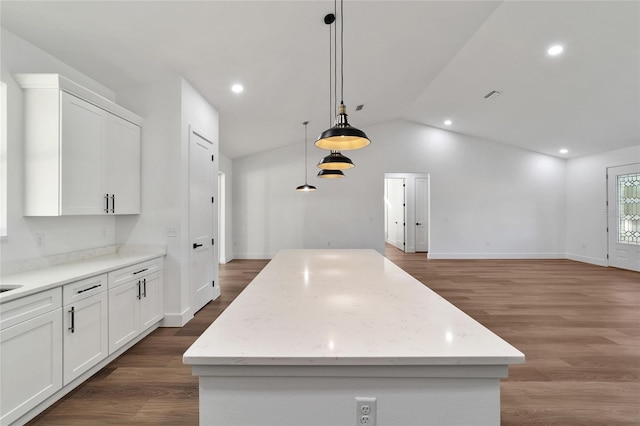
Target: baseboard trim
[(254, 256), (496, 256), (586, 259), (176, 320)]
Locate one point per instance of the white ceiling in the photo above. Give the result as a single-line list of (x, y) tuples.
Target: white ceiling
[(417, 60)]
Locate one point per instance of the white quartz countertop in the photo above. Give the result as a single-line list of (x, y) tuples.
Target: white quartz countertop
[(42, 279), (344, 307)]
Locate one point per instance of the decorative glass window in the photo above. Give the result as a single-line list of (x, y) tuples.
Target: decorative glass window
[(629, 208)]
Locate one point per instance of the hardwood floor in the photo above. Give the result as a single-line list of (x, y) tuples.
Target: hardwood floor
[(578, 325)]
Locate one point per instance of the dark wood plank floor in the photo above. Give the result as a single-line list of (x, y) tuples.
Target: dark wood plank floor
[(578, 325)]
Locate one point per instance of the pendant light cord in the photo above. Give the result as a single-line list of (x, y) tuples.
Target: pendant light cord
[(341, 51), (330, 80), (335, 60), (305, 152)]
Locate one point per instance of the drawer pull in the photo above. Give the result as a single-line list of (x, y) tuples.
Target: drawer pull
[(72, 311), (139, 272), (87, 289)]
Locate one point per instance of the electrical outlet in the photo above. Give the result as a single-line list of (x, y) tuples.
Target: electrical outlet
[(41, 239), (172, 232), (365, 410), (104, 232)]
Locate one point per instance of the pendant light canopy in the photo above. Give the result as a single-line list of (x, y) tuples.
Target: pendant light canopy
[(342, 136), (335, 161), (330, 174), (306, 187)]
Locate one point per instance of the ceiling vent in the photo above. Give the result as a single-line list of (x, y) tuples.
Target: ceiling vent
[(359, 107), (492, 94)]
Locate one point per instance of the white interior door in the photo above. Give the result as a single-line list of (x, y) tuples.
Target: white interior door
[(395, 212), (422, 212), (623, 202), (202, 219)]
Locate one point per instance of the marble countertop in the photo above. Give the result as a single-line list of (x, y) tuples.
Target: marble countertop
[(344, 307), (42, 279)]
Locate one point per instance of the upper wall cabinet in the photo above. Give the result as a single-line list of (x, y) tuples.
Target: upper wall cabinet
[(82, 151)]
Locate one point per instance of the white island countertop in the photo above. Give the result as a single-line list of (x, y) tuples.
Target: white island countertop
[(344, 307), (42, 279)]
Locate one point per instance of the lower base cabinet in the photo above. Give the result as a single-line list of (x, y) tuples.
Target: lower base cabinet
[(50, 339), (135, 302), (86, 322), (31, 364)]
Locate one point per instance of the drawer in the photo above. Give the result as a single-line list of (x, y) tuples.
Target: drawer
[(133, 272), (28, 307), (79, 290)]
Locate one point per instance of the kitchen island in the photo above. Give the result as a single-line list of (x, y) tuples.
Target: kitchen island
[(318, 329)]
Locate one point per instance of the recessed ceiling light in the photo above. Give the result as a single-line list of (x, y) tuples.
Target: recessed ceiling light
[(564, 151), (555, 50), (237, 88), (447, 122)]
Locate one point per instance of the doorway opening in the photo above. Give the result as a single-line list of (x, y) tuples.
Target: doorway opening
[(222, 202), (406, 211)]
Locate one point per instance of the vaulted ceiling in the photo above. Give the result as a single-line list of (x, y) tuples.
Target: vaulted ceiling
[(424, 61)]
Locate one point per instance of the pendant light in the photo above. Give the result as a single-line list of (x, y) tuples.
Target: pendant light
[(342, 136), (330, 174), (306, 187), (336, 160)]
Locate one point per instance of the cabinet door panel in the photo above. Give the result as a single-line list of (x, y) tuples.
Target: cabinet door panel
[(82, 174), (31, 367), (87, 342), (123, 164), (151, 306), (124, 315)]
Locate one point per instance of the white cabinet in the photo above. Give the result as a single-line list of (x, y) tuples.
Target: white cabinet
[(85, 330), (30, 352), (135, 301), (82, 152)]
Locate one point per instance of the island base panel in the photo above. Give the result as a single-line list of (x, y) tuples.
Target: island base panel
[(294, 401)]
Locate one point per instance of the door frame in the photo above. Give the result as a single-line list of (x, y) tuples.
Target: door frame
[(613, 213), (410, 217), (213, 189)]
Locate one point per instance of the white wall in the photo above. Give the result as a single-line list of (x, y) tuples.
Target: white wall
[(488, 200), (62, 234), (168, 107), (159, 104), (586, 198)]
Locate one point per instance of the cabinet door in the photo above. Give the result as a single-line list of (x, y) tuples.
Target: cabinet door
[(123, 165), (151, 306), (124, 314), (83, 127), (30, 365), (86, 340)]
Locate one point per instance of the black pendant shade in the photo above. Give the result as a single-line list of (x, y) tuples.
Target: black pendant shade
[(342, 136), (335, 161), (330, 174), (306, 188)]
